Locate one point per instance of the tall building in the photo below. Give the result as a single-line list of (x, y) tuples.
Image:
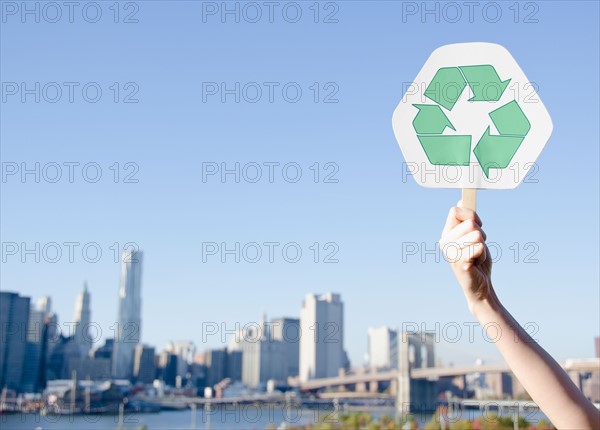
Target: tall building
[(130, 315), (263, 358), (167, 368), (144, 366), (44, 304), (215, 361), (383, 348), (50, 338), (14, 321), (217, 365), (34, 352), (41, 337), (234, 365), (322, 341), (106, 350), (51, 332), (287, 330), (66, 357), (184, 350), (82, 319)]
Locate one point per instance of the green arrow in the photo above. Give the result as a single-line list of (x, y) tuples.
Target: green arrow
[(484, 82), (510, 119), (496, 151), (431, 119), (452, 150), (446, 87)]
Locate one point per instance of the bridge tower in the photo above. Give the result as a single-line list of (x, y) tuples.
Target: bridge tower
[(416, 351)]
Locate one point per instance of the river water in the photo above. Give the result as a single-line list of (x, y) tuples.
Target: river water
[(240, 417)]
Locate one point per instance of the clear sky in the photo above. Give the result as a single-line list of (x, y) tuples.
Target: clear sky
[(362, 60)]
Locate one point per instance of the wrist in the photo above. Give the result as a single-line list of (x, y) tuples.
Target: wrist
[(482, 308)]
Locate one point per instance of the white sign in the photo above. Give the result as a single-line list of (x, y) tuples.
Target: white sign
[(471, 119)]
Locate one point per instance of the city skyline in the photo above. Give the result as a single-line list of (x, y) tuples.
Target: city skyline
[(263, 357), (445, 334), (383, 336), (452, 352)]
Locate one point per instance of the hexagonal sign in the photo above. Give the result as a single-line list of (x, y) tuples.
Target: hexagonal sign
[(471, 119)]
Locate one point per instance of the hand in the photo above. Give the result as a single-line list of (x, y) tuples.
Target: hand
[(463, 244)]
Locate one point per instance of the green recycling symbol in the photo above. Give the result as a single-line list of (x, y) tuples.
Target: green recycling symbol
[(491, 151)]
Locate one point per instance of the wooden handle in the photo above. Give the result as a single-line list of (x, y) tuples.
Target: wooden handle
[(469, 198)]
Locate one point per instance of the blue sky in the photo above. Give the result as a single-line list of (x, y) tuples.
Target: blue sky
[(369, 213)]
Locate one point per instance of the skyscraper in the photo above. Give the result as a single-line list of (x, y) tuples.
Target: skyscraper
[(14, 321), (82, 318), (52, 330), (322, 341), (287, 330), (234, 365), (130, 315), (34, 351), (263, 357), (44, 304), (184, 350), (167, 368), (215, 361), (383, 348), (144, 366)]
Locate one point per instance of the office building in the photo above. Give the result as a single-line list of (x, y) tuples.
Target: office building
[(82, 319), (14, 321), (184, 350), (322, 342), (383, 348), (215, 361), (144, 366), (287, 330), (234, 365), (129, 321), (263, 358), (34, 352), (167, 368)]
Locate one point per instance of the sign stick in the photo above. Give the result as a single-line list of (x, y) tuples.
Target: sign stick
[(469, 198)]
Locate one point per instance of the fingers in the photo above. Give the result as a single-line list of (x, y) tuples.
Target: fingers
[(465, 228), (463, 239), (473, 254), (457, 215), (483, 257), (465, 257), (464, 214), (464, 243), (466, 247)]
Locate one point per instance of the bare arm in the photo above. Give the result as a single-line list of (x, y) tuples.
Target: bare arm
[(543, 378)]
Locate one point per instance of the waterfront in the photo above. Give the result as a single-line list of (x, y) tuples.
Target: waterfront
[(247, 417)]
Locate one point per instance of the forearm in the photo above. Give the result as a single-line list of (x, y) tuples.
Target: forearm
[(543, 378)]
